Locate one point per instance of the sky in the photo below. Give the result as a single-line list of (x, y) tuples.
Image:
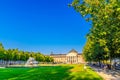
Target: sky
[(42, 26)]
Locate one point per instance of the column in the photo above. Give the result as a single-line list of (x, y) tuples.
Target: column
[(73, 59)]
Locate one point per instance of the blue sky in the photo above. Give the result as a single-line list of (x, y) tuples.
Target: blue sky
[(42, 25)]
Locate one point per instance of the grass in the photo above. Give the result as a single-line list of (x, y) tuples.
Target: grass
[(60, 72)]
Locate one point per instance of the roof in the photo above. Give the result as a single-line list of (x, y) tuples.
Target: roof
[(73, 51), (57, 54)]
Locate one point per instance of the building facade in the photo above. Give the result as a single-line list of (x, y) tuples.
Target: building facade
[(72, 57)]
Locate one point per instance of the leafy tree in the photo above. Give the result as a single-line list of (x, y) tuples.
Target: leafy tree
[(16, 55), (105, 17), (48, 59), (2, 54)]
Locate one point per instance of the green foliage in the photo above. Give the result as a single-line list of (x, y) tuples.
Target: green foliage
[(103, 40), (48, 59), (1, 51), (16, 55)]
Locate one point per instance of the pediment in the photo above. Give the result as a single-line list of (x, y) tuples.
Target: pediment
[(72, 53)]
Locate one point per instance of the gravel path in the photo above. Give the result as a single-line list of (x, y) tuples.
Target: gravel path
[(108, 74)]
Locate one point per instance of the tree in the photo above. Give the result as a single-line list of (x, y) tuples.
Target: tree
[(105, 17), (12, 55), (2, 54), (48, 59), (40, 57), (22, 56), (27, 55)]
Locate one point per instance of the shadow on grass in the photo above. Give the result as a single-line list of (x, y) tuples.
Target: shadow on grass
[(44, 73), (40, 73)]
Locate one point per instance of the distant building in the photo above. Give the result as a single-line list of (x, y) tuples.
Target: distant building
[(73, 57)]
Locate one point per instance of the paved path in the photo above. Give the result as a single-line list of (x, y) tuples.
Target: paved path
[(108, 74)]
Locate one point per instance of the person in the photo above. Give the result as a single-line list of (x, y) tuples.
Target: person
[(114, 65), (106, 67)]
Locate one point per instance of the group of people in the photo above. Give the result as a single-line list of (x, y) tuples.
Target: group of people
[(105, 66)]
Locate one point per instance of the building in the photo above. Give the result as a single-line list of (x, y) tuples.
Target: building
[(72, 57)]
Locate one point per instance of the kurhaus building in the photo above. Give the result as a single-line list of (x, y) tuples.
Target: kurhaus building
[(72, 57)]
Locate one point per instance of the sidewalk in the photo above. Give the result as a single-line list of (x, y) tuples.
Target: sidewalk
[(108, 74)]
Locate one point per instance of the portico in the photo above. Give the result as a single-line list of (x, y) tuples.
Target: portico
[(71, 57)]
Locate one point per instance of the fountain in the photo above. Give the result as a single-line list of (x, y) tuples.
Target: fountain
[(31, 62)]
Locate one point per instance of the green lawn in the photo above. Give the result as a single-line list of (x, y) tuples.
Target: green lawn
[(61, 72)]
